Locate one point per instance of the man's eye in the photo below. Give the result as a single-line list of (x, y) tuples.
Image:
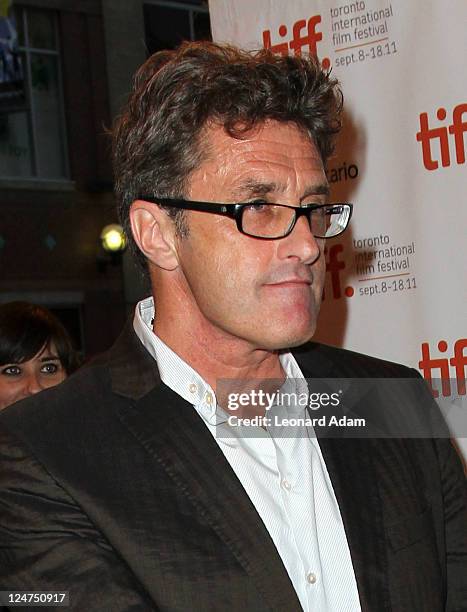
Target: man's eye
[(258, 206), (11, 370), (49, 368), (321, 212)]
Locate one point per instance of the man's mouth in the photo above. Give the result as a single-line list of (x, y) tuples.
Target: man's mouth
[(305, 279), (290, 283)]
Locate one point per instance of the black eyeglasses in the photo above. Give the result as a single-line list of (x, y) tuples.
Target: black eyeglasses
[(271, 221)]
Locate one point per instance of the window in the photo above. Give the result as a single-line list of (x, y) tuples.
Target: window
[(168, 22), (32, 135)]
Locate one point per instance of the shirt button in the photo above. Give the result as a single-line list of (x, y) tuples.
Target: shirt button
[(286, 485), (311, 578), (192, 388), (208, 398)]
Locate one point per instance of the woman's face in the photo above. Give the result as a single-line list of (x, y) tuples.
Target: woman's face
[(18, 380)]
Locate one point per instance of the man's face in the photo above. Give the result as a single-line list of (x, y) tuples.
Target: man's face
[(266, 293)]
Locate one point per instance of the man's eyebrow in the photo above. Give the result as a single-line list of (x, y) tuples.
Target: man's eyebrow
[(251, 188), (313, 190), (321, 189)]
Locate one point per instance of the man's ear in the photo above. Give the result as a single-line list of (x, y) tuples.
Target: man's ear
[(154, 233)]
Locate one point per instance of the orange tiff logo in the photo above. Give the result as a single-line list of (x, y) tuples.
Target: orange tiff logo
[(429, 135), (335, 265), (305, 36), (458, 361)]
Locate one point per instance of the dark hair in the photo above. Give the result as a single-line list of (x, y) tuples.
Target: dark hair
[(158, 138), (25, 328)]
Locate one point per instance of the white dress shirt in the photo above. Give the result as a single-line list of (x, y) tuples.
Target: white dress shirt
[(284, 474)]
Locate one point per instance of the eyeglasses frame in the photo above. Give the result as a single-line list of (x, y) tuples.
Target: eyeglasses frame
[(234, 211)]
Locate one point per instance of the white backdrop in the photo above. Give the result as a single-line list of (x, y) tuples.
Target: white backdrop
[(396, 282)]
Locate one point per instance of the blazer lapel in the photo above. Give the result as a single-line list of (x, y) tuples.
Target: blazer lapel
[(350, 465), (173, 434)]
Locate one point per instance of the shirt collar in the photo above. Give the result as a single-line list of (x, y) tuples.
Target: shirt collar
[(173, 370), (185, 381)]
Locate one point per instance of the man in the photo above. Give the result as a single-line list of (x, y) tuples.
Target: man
[(130, 486)]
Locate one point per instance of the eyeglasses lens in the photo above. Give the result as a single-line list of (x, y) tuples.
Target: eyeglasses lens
[(274, 221), (267, 220)]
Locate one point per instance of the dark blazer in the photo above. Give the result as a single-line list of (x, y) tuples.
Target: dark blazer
[(112, 488)]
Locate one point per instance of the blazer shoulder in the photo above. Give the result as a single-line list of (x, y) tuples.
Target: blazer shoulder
[(69, 404), (330, 361), (88, 400)]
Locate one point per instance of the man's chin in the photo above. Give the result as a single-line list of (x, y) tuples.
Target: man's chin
[(289, 339)]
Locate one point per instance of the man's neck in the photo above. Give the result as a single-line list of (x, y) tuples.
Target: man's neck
[(218, 357)]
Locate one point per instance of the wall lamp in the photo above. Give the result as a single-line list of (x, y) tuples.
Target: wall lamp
[(113, 238), (112, 244)]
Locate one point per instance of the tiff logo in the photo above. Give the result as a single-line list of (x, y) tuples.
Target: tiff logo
[(440, 134), (334, 266), (308, 39), (458, 361)]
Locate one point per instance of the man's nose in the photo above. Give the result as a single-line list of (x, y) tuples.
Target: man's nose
[(301, 243)]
